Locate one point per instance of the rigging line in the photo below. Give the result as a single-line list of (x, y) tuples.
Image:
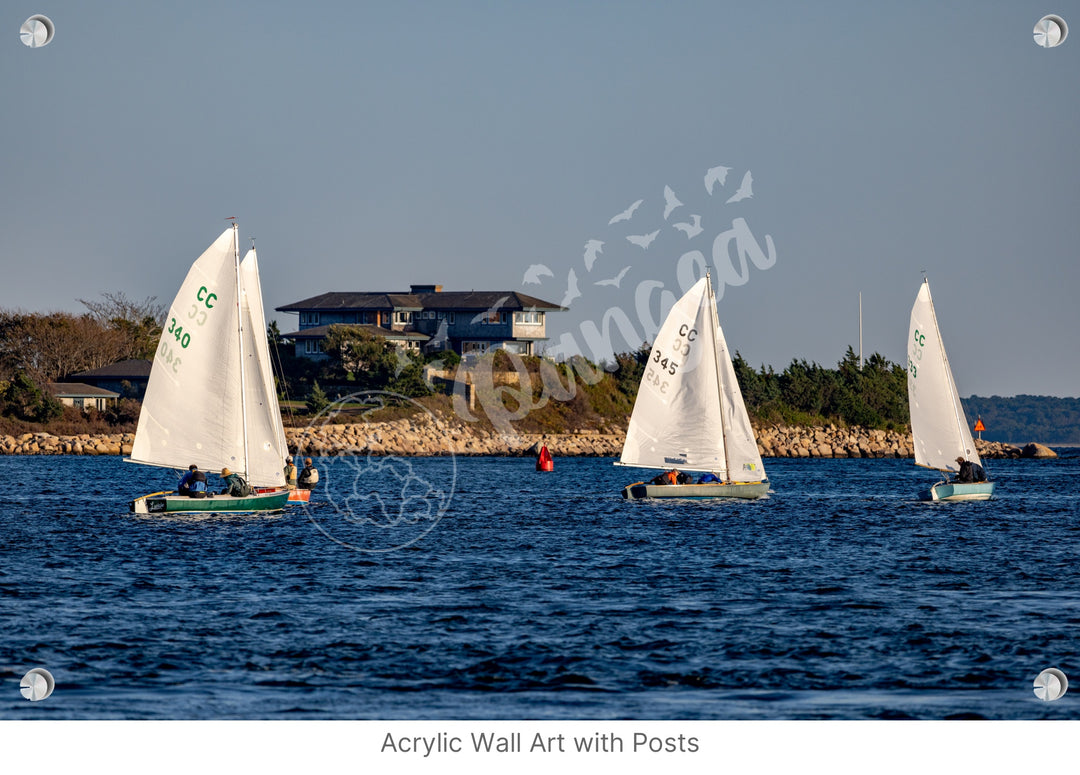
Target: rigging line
[(275, 356)]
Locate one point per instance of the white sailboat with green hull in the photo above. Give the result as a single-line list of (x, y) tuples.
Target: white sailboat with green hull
[(210, 400), (939, 428), (689, 413)]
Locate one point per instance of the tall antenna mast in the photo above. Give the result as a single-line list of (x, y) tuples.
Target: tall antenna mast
[(860, 332)]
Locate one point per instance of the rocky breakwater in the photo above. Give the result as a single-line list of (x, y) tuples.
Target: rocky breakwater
[(851, 442), (82, 444), (425, 436)]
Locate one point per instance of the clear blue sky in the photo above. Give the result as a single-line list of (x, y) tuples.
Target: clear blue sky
[(368, 146)]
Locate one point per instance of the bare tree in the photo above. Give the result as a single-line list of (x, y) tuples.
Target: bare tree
[(49, 346), (138, 322)]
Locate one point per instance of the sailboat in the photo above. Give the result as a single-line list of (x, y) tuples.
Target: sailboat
[(689, 413), (938, 425), (210, 400)]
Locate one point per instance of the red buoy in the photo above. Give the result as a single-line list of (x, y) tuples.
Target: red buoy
[(544, 461)]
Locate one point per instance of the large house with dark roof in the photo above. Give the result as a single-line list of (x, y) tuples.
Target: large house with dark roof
[(427, 318)]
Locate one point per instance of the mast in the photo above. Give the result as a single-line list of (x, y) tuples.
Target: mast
[(714, 318), (240, 338)]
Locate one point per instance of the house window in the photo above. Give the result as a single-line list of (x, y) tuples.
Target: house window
[(529, 318), (474, 347), (403, 317), (312, 346), (309, 318), (450, 317)]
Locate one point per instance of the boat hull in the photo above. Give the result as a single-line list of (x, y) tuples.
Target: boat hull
[(296, 494), (747, 490), (958, 491), (215, 504)]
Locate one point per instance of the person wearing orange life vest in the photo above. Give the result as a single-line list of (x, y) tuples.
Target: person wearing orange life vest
[(674, 476)]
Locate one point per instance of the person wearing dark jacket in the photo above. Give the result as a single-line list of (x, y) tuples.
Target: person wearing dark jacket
[(193, 484), (970, 472), (234, 484), (309, 476)]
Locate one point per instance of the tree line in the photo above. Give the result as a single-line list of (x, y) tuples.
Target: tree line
[(1021, 419), (39, 348), (874, 396)]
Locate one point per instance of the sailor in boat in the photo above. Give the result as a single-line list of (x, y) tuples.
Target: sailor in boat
[(290, 473), (234, 484), (674, 476), (309, 476), (970, 472), (193, 484)]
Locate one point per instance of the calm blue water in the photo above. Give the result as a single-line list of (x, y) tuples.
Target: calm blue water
[(541, 596)]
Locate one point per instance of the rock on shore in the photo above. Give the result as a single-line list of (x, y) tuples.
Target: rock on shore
[(425, 436)]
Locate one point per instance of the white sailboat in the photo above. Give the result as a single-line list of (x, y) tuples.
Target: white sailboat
[(939, 428), (210, 400), (689, 413)]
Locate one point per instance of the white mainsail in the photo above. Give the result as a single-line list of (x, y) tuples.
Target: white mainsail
[(938, 425), (193, 410), (689, 413)]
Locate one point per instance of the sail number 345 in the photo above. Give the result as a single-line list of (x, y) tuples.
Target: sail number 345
[(204, 301), (661, 365)]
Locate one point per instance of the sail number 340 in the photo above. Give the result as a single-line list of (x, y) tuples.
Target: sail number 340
[(197, 315)]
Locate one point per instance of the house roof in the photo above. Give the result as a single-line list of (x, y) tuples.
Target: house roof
[(318, 332), (342, 301), (133, 368), (78, 390)]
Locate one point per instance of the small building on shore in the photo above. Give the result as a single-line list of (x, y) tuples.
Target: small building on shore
[(81, 395), (125, 378)]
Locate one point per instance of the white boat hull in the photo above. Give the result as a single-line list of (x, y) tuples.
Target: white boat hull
[(746, 490), (958, 491)]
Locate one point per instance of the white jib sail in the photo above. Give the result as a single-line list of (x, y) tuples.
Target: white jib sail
[(191, 411), (938, 426), (676, 422), (744, 460), (267, 448)]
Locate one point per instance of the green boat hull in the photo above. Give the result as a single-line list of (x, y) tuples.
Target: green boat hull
[(746, 490), (215, 504)]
